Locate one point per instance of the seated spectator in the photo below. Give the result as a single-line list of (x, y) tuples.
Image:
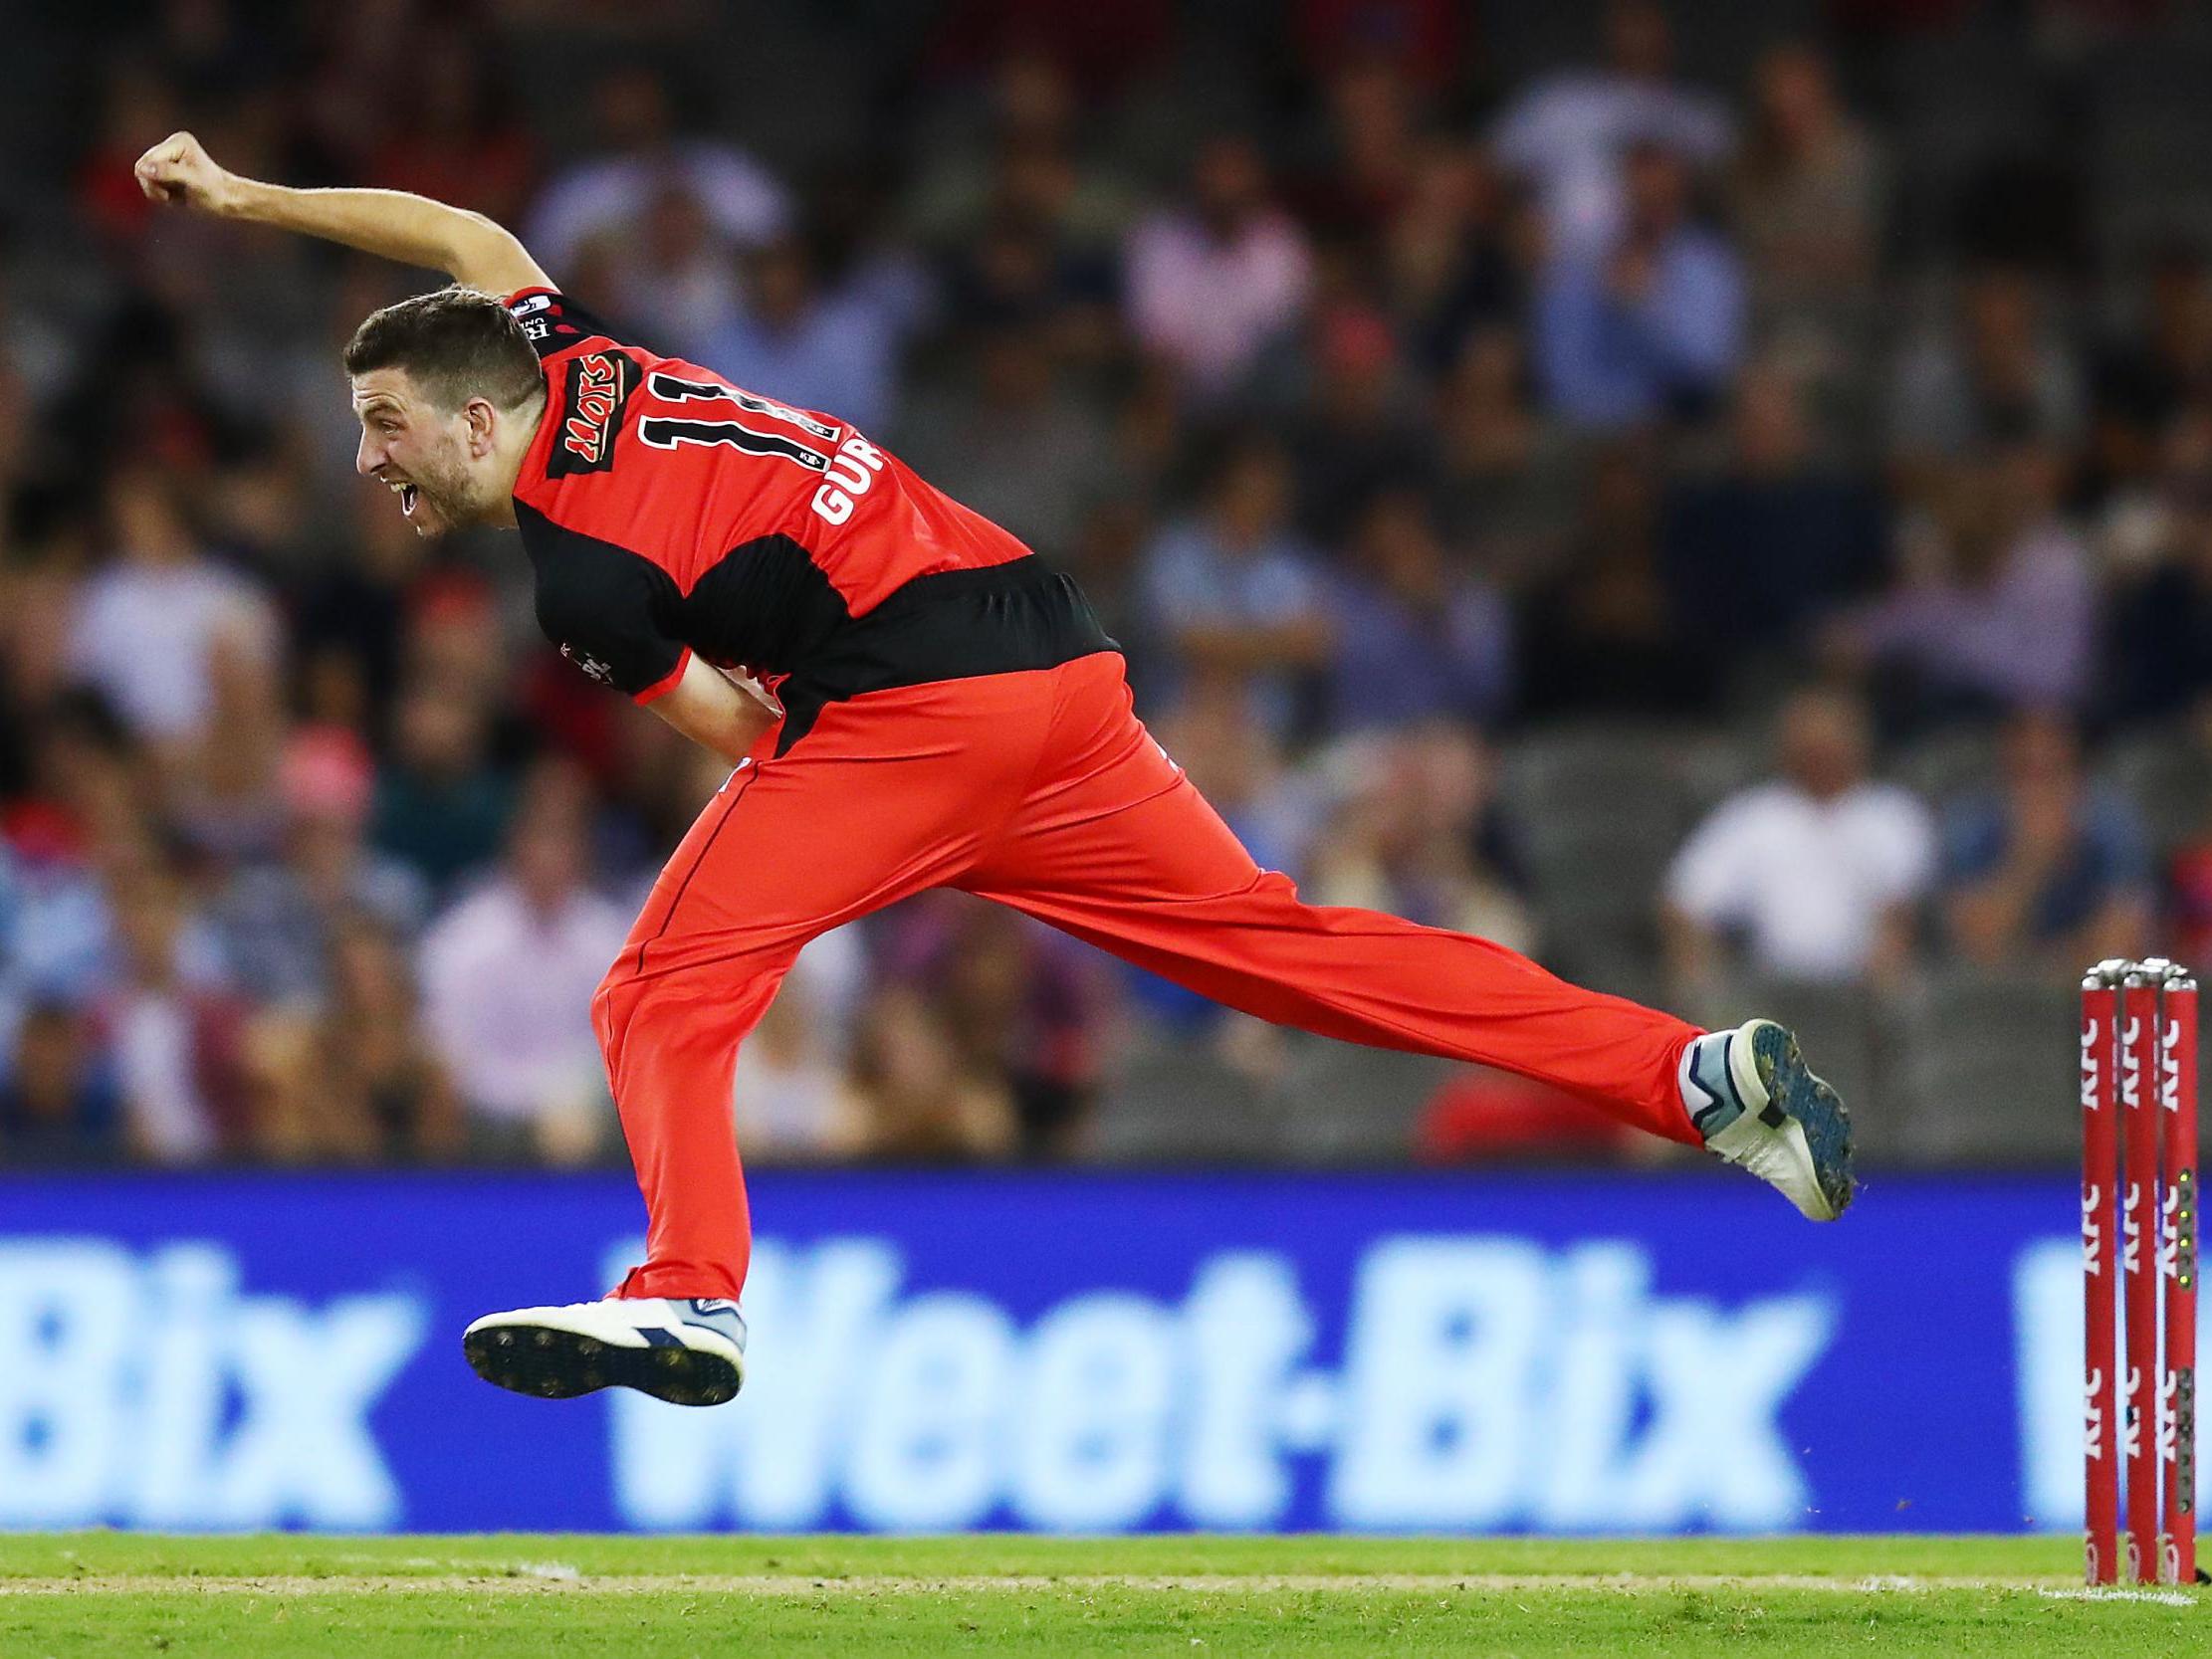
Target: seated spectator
[(1355, 433), (2158, 652), (1448, 269), (149, 623), (441, 806), (1011, 439), (804, 343), (1817, 872), (1210, 283), (2050, 871), (508, 978), (788, 1093), (1647, 324), (2000, 372), (1568, 131), (1808, 196), (1601, 634), (58, 1103), (1508, 482), (1235, 594), (1417, 636), (1996, 609), (605, 194), (379, 1068), (176, 1034), (279, 919), (918, 1097), (1762, 546), (2145, 379), (1423, 836)]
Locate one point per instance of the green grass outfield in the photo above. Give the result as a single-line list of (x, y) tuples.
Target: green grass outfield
[(528, 1594)]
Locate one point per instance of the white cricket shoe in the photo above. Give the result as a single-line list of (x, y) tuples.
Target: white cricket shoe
[(1756, 1105), (688, 1352)]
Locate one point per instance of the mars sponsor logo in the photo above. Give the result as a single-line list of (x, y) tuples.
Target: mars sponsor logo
[(599, 384), (1481, 1380)]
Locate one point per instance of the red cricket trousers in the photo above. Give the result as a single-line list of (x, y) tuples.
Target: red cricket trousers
[(1040, 789)]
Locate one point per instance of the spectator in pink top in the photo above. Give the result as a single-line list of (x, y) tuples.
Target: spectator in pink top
[(1210, 282)]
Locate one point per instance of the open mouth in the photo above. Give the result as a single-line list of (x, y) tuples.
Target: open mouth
[(407, 497)]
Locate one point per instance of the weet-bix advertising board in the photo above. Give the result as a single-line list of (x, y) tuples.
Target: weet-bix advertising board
[(1063, 1352)]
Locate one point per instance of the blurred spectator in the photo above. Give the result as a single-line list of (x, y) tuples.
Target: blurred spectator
[(643, 166), (1816, 872), (1355, 434), (1448, 266), (1416, 635), (1996, 607), (1211, 282), (176, 1034), (1373, 151), (280, 919), (1507, 481), (1568, 131), (508, 978), (1777, 536), (917, 1098), (2144, 379), (1023, 165), (2001, 372), (455, 138), (795, 340), (2051, 870), (2159, 645), (1601, 635), (1648, 322), (149, 623), (440, 805), (669, 276), (1808, 200), (1010, 438), (789, 1094), (1421, 836), (363, 1080), (59, 1102), (1234, 594)]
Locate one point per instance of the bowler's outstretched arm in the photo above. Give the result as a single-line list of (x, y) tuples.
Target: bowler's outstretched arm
[(414, 229)]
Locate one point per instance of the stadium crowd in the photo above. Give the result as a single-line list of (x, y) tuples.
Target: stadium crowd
[(1405, 388)]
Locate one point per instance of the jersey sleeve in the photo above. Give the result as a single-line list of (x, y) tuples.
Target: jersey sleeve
[(556, 323), (607, 609)]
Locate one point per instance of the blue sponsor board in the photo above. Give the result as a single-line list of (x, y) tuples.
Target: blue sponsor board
[(1060, 1351)]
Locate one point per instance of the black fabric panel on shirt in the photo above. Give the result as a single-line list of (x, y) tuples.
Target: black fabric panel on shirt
[(764, 604), (955, 625), (613, 612)]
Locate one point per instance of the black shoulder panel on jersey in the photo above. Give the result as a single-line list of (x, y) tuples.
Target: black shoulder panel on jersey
[(553, 321), (613, 612), (593, 396)]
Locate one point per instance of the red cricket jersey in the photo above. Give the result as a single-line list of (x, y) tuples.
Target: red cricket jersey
[(666, 511)]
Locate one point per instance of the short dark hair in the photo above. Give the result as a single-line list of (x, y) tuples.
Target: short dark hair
[(455, 342)]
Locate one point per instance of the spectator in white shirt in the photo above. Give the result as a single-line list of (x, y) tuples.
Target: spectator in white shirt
[(640, 162), (1211, 283), (1818, 871), (1568, 133), (147, 628), (508, 978)]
